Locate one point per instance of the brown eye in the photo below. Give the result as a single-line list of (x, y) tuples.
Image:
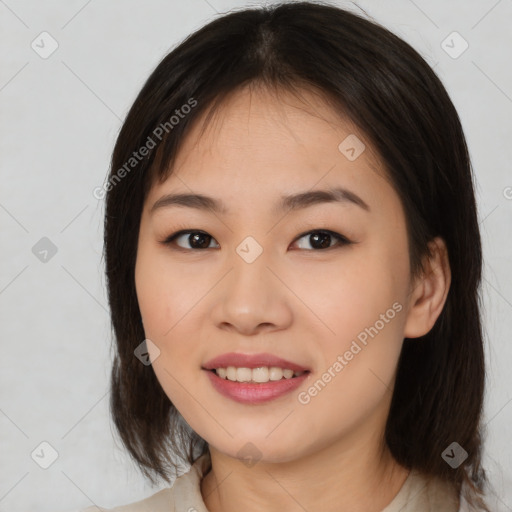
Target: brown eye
[(321, 239), (195, 239)]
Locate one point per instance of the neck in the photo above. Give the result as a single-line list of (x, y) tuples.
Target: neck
[(354, 475)]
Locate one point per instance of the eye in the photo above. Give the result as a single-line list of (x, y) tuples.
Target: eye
[(318, 239), (196, 239), (321, 239)]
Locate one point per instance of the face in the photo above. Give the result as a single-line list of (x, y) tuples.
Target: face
[(322, 284)]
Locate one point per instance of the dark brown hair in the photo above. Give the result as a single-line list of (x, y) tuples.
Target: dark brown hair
[(382, 85)]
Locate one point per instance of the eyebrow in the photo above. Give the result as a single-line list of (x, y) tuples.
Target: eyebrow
[(290, 202)]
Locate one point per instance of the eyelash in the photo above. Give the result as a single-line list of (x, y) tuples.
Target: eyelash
[(342, 240)]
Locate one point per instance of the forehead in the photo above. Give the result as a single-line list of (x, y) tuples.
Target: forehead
[(258, 143), (280, 126)]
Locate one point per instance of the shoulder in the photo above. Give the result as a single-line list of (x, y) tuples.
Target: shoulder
[(183, 495), (420, 493), (161, 501)]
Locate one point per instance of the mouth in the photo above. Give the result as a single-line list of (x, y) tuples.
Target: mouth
[(252, 392), (254, 378)]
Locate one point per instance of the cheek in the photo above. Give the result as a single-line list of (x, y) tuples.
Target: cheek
[(361, 303), (148, 290), (360, 350), (166, 305), (164, 293), (352, 294), (168, 297)]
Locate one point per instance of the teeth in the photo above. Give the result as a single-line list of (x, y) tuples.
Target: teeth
[(256, 375)]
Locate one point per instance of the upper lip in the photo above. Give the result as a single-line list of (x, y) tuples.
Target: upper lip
[(251, 361)]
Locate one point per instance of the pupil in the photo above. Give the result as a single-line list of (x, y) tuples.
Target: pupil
[(323, 237), (198, 237)]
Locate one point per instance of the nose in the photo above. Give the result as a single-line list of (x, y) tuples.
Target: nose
[(252, 298)]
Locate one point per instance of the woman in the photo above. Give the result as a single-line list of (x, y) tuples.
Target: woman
[(293, 263)]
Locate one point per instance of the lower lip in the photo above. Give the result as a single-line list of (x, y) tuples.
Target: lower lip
[(249, 393)]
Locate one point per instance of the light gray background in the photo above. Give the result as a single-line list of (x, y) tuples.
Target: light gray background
[(59, 119)]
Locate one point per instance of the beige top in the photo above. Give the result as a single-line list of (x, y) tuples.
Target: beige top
[(417, 494)]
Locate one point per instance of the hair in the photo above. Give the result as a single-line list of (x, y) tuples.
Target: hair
[(373, 78)]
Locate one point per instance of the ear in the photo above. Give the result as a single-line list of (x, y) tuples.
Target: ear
[(429, 292)]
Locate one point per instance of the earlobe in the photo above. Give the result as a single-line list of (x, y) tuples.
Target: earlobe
[(428, 296)]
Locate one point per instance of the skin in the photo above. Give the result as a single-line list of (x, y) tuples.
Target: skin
[(299, 302)]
